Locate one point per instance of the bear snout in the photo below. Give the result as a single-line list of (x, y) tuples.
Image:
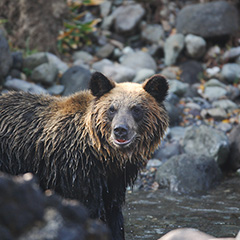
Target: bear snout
[(121, 132)]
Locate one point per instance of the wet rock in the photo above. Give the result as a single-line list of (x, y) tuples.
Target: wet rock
[(75, 79), (105, 51), (172, 48), (45, 74), (5, 57), (191, 71), (27, 214), (177, 87), (152, 33), (195, 46), (216, 113), (127, 18), (171, 72), (208, 20), (59, 64), (234, 138), (143, 74), (21, 85), (34, 60), (82, 57), (189, 173), (225, 104), (231, 72), (205, 140), (138, 60)]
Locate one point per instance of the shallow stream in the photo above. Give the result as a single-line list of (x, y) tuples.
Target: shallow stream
[(149, 215)]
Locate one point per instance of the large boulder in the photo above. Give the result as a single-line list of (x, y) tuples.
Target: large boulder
[(208, 20), (205, 140), (27, 213), (188, 173)]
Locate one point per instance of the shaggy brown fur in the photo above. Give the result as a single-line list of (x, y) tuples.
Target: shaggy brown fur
[(69, 143)]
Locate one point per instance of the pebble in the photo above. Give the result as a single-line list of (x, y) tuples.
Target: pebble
[(225, 104), (177, 87), (217, 113), (83, 56), (98, 66), (195, 46), (59, 64), (231, 72), (171, 72), (231, 54), (172, 48), (56, 90), (32, 61), (213, 93), (143, 74), (105, 51), (152, 33)]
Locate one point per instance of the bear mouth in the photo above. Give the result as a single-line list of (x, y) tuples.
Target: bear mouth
[(123, 142)]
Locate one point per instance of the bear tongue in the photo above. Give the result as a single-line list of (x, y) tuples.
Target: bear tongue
[(121, 140)]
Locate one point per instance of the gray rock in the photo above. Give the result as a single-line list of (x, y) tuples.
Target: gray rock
[(191, 71), (195, 46), (34, 60), (177, 133), (172, 48), (105, 8), (138, 60), (152, 33), (59, 64), (21, 85), (143, 74), (225, 104), (153, 163), (231, 54), (83, 56), (17, 60), (177, 87), (234, 138), (127, 18), (105, 51), (26, 213), (118, 72), (171, 72), (213, 19), (75, 79), (5, 57), (205, 140), (225, 127), (188, 173), (231, 72), (213, 93), (98, 66), (56, 90), (174, 113), (45, 73), (216, 113)]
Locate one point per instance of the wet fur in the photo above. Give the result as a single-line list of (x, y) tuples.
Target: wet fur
[(65, 142)]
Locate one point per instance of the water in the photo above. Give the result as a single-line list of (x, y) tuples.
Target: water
[(149, 215)]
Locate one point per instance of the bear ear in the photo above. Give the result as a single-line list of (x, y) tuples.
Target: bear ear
[(157, 86), (99, 84)]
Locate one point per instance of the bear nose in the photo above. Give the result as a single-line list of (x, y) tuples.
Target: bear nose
[(121, 132)]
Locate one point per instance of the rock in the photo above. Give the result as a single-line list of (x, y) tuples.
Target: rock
[(216, 113), (75, 79), (105, 51), (27, 214), (188, 173), (127, 18), (195, 46), (214, 83), (213, 52), (211, 72), (32, 61), (225, 104), (138, 60), (171, 72), (5, 57), (172, 48), (83, 57), (234, 138), (152, 33), (213, 93), (193, 105), (143, 74), (231, 54), (153, 163), (17, 60), (174, 113), (177, 133), (45, 74), (177, 87), (21, 85), (191, 71), (105, 8), (225, 127), (59, 64), (98, 66), (118, 72), (208, 20), (231, 72), (56, 90), (204, 140)]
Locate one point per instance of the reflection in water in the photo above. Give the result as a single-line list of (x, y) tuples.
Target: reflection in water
[(149, 215)]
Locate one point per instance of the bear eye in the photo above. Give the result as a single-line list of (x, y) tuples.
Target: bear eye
[(137, 112), (111, 111)]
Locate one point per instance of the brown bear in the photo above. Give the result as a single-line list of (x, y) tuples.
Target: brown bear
[(88, 146)]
